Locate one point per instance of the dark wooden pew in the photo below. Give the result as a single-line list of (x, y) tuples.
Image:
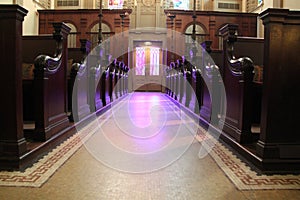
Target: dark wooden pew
[(272, 100), (201, 88), (169, 74), (50, 121), (168, 80), (179, 81), (254, 49), (104, 74), (125, 71), (117, 79), (279, 141), (176, 80), (95, 70), (112, 82), (194, 92), (261, 88), (96, 85), (13, 145), (33, 46), (180, 72), (120, 82), (242, 93), (197, 92), (47, 91), (78, 81), (212, 91), (106, 93), (188, 73), (103, 84)]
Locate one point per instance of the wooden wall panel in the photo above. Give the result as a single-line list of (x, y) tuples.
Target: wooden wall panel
[(212, 21)]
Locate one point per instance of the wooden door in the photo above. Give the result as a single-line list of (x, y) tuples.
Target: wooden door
[(148, 70)]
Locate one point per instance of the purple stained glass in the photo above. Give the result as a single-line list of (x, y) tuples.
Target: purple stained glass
[(140, 61), (154, 61)]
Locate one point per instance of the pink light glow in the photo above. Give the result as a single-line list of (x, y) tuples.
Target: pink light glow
[(140, 61), (154, 61), (147, 131)]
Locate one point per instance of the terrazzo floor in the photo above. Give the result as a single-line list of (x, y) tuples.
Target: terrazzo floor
[(177, 173)]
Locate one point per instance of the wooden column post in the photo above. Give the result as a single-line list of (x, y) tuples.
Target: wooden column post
[(280, 139), (12, 141)]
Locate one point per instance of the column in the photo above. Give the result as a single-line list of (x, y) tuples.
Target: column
[(12, 141), (280, 139)]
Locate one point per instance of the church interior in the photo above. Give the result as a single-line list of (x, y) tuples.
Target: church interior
[(150, 99)]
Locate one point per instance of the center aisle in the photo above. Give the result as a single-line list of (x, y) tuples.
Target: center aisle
[(142, 133), (143, 148)]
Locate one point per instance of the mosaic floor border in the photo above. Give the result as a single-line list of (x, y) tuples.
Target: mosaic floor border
[(241, 175)]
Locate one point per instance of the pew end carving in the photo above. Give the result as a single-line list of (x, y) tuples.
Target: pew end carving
[(238, 79), (39, 97), (50, 88)]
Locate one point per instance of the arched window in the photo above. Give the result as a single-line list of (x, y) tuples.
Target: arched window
[(72, 36), (200, 37), (115, 4), (106, 33), (200, 34), (181, 4)]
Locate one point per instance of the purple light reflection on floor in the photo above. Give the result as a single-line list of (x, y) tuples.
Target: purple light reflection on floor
[(144, 110), (146, 129), (122, 145)]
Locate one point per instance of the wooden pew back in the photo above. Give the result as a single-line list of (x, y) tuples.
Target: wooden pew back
[(49, 86), (33, 46)]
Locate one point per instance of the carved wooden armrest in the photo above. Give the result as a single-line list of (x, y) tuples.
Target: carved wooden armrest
[(238, 66), (47, 64)]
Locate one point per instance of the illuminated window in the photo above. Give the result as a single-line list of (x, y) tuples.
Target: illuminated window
[(115, 4), (106, 33), (181, 4), (140, 58), (154, 61), (200, 34)]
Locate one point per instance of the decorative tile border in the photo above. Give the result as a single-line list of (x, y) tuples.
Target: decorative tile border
[(241, 175), (42, 170)]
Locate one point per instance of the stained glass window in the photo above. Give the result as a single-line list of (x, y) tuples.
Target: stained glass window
[(115, 4), (181, 4), (154, 61), (140, 58)]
